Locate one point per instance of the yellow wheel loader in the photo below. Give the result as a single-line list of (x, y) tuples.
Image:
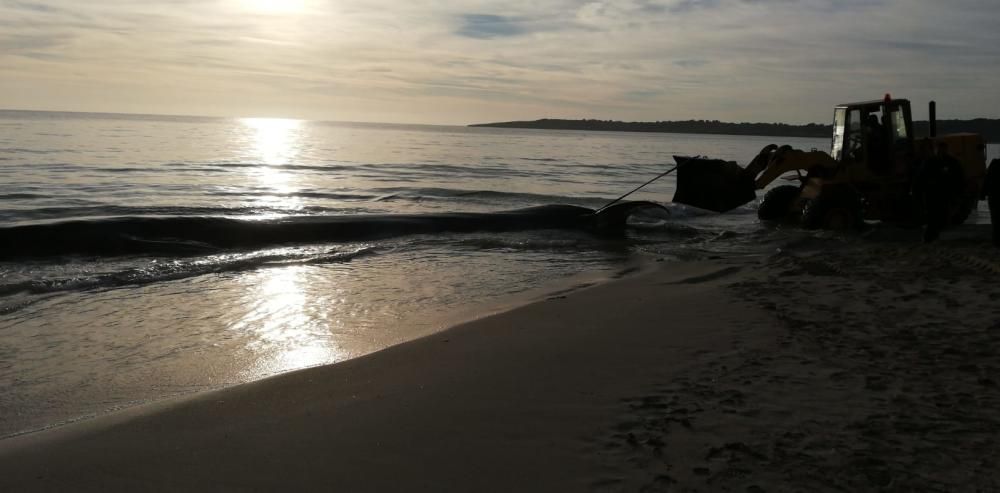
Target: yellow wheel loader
[(876, 170)]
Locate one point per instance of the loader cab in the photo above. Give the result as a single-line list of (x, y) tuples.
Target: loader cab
[(875, 134)]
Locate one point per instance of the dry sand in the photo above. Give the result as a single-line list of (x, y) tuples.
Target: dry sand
[(834, 368)]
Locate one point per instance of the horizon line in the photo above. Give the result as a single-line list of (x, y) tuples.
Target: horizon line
[(208, 117), (465, 125)]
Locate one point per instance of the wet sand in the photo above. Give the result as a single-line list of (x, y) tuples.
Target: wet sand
[(823, 369)]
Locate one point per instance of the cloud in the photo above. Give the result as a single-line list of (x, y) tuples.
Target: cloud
[(691, 63), (688, 5), (37, 7), (475, 60), (19, 43), (487, 26)]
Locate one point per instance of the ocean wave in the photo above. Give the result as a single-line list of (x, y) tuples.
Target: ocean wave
[(524, 244), (61, 213), (38, 204), (390, 170), (307, 194), (154, 271), (282, 166), (21, 196), (22, 150), (453, 171), (451, 194)]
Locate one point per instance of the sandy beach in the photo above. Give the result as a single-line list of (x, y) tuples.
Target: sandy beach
[(830, 366), (614, 247)]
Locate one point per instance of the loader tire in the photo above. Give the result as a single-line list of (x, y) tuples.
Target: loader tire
[(777, 203), (964, 211), (838, 209)]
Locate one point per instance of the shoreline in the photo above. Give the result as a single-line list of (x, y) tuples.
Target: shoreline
[(438, 369), (854, 366), (642, 263)]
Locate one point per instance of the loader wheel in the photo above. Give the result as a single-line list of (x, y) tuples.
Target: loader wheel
[(964, 211), (777, 203), (837, 209)]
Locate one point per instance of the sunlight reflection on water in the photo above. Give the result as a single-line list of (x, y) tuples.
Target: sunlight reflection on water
[(274, 142), (286, 324)]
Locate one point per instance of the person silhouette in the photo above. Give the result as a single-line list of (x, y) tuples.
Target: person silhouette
[(939, 184), (991, 192), (878, 151)]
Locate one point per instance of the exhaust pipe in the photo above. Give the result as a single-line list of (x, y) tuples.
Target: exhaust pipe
[(932, 117)]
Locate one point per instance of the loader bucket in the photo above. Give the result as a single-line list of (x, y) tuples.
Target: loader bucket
[(712, 184)]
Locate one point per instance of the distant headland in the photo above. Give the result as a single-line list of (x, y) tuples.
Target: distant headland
[(988, 128)]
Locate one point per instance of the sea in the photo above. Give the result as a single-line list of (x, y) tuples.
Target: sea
[(148, 257)]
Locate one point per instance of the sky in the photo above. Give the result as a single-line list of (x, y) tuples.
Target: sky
[(471, 61)]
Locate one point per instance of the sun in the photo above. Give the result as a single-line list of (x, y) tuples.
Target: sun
[(275, 6)]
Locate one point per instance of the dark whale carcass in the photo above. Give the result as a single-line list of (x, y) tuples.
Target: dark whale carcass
[(180, 235)]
